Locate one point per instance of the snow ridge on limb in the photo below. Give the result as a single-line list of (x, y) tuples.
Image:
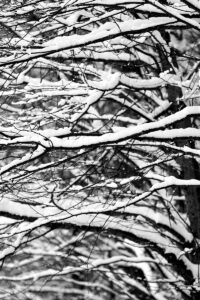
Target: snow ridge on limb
[(51, 139), (99, 35)]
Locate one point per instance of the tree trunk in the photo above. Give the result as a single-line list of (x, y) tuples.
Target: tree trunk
[(189, 166)]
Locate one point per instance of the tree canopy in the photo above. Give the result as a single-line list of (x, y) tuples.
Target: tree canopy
[(99, 149)]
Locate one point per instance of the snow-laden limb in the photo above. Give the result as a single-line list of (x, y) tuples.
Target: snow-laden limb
[(141, 5), (7, 107), (26, 158), (75, 208), (50, 138), (161, 109), (104, 32), (72, 21), (172, 134), (142, 84), (95, 95), (146, 233), (12, 248), (131, 132), (184, 150), (101, 34), (177, 226), (193, 4), (172, 181), (173, 13), (108, 53), (74, 211), (88, 266)]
